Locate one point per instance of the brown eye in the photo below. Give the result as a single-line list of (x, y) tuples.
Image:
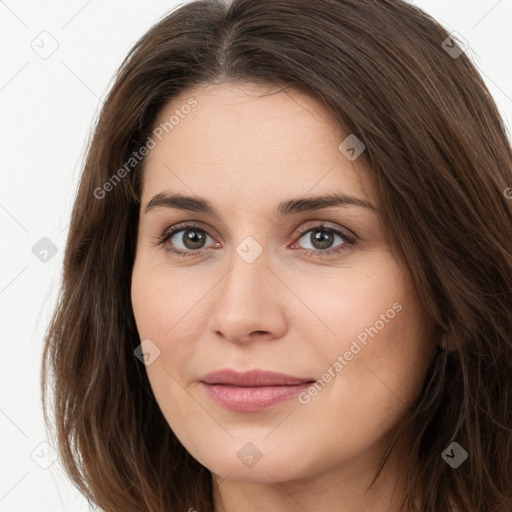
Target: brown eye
[(192, 239), (185, 240), (322, 240)]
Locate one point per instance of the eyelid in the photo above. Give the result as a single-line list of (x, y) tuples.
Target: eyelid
[(320, 224)]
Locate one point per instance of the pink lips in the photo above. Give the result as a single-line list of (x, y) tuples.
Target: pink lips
[(252, 391)]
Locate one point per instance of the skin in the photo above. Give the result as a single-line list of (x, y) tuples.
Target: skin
[(246, 150)]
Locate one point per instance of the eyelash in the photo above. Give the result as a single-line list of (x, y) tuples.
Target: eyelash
[(170, 232)]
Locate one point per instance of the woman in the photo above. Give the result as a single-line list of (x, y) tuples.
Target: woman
[(287, 282)]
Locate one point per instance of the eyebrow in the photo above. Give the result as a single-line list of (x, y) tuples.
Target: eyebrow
[(289, 207)]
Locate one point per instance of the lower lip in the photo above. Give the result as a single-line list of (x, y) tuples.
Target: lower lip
[(252, 399)]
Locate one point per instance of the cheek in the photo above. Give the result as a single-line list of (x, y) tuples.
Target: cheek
[(355, 303), (167, 311), (160, 312), (164, 302), (377, 348)]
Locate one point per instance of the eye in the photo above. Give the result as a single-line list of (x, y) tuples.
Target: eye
[(322, 238), (188, 238)]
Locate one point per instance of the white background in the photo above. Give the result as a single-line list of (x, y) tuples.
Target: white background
[(47, 109)]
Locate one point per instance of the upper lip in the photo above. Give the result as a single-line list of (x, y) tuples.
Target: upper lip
[(231, 377)]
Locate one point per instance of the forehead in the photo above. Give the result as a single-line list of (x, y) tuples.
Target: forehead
[(250, 140)]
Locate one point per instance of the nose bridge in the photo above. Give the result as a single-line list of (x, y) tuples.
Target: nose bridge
[(245, 283), (246, 300)]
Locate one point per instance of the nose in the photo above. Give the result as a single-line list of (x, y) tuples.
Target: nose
[(249, 303)]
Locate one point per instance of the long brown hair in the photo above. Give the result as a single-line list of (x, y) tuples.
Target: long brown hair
[(442, 162)]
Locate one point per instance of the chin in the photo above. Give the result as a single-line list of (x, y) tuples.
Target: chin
[(246, 465)]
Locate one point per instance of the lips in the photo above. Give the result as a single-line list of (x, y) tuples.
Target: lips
[(252, 391), (253, 378)]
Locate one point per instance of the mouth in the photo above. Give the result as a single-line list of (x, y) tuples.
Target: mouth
[(252, 391)]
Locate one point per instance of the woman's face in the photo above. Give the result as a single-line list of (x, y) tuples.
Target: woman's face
[(268, 278)]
